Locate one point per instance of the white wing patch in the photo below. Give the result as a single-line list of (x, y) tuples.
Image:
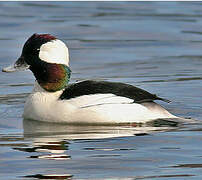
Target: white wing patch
[(99, 99)]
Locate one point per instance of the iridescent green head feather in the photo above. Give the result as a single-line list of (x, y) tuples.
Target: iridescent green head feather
[(54, 77)]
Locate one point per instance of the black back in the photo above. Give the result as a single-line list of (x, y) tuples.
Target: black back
[(103, 87)]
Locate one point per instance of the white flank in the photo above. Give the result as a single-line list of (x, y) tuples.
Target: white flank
[(92, 109)]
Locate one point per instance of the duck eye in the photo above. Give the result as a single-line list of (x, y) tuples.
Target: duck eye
[(36, 51)]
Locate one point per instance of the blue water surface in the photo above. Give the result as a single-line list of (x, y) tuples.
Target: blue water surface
[(156, 46)]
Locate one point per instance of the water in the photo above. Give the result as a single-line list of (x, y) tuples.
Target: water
[(154, 45)]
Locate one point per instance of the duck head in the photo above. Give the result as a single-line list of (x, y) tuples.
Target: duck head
[(48, 58)]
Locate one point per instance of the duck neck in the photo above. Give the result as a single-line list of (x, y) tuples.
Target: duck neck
[(50, 76)]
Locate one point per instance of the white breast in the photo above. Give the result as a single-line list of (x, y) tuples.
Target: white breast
[(44, 106)]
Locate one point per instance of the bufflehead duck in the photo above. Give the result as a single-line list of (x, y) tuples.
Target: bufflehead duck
[(92, 102)]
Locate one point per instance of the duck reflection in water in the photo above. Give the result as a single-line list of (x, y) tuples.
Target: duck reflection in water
[(51, 141), (46, 146)]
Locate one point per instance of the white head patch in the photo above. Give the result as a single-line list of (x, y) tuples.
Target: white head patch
[(54, 51)]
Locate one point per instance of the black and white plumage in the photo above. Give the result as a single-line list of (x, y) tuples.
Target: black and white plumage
[(90, 87), (91, 102)]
